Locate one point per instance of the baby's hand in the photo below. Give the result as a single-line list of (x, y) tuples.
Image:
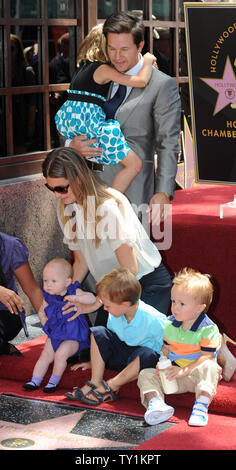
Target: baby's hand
[(157, 369)]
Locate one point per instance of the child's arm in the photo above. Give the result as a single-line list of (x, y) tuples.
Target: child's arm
[(174, 372), (106, 73), (165, 350)]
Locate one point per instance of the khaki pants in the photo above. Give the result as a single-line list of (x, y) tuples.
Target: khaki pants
[(203, 378)]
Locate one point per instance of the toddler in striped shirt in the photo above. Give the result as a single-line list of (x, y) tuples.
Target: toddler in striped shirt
[(191, 341)]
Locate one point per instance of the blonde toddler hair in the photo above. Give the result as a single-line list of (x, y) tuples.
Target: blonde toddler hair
[(93, 47), (196, 284)]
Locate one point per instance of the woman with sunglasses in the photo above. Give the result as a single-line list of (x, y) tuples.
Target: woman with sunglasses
[(102, 230)]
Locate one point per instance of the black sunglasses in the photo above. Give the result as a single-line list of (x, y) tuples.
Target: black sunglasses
[(58, 189)]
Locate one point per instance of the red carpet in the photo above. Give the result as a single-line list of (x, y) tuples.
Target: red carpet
[(203, 241), (219, 433), (18, 370)]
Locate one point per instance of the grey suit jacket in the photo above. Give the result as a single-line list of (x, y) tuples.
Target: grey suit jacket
[(150, 121)]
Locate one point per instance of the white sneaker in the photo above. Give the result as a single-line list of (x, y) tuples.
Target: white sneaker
[(158, 412), (199, 416)]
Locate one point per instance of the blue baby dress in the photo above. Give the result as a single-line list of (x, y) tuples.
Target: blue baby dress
[(58, 328)]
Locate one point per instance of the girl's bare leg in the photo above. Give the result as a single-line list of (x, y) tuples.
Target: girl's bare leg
[(132, 165), (66, 349), (45, 359)]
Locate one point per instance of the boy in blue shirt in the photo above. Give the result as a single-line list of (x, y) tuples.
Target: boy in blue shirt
[(132, 340)]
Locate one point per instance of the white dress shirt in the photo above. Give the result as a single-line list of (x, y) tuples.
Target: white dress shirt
[(133, 71)]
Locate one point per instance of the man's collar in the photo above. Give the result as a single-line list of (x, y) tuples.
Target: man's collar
[(133, 71), (136, 68)]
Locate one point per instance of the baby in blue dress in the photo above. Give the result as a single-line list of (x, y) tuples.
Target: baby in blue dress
[(65, 338)]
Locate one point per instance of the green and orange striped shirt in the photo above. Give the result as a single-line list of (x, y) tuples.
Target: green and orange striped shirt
[(187, 346)]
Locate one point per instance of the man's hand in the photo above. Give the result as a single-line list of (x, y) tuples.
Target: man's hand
[(82, 145), (159, 208)]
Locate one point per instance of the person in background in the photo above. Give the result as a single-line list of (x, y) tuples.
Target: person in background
[(23, 105), (59, 72), (14, 265)]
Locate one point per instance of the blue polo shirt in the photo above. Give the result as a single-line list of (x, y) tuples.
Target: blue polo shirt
[(145, 329)]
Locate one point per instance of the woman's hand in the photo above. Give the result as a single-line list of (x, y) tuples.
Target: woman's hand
[(79, 308), (11, 300)]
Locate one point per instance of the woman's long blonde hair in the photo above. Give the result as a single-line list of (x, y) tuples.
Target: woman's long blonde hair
[(93, 47), (65, 162)]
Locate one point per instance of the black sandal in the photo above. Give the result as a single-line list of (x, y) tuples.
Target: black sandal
[(78, 394), (101, 397)]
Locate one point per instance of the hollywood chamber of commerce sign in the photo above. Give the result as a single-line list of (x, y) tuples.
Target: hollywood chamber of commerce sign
[(211, 39)]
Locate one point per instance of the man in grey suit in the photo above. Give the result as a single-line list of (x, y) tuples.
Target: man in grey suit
[(149, 117)]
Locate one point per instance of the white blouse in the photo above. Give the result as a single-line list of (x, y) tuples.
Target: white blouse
[(118, 225)]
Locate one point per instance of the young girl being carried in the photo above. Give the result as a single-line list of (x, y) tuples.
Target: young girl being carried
[(85, 113)]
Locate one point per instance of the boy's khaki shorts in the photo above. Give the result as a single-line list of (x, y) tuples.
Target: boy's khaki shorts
[(203, 378)]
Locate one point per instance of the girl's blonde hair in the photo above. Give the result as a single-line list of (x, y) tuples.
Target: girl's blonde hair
[(93, 47), (65, 162), (196, 284)]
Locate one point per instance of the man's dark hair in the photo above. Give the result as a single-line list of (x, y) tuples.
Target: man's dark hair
[(125, 22)]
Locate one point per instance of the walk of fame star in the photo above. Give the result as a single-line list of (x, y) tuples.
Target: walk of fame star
[(225, 87), (50, 434)]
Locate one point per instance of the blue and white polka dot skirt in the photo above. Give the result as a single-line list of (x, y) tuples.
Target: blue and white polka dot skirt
[(79, 117)]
